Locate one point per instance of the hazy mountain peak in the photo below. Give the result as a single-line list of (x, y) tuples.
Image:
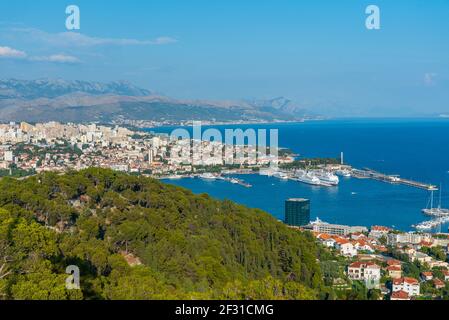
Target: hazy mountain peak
[(78, 101), (52, 88)]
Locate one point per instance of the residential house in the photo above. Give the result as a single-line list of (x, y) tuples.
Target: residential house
[(345, 247), (358, 236), (393, 262), (421, 257), (378, 231), (362, 245), (426, 276), (446, 275), (438, 284), (409, 285), (326, 239), (367, 271), (394, 272)]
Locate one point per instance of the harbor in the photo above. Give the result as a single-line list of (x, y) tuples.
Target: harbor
[(394, 197)]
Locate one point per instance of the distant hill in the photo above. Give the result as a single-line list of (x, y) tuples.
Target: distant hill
[(78, 101), (43, 88)]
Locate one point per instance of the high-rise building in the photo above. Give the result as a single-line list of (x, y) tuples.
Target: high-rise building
[(150, 156), (297, 212)]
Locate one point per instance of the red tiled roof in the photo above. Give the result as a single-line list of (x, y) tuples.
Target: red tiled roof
[(324, 236), (393, 262), (411, 280), (405, 279), (341, 241), (360, 264), (394, 268), (399, 295), (356, 264)]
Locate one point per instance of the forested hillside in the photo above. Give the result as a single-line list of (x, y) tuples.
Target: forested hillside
[(136, 238)]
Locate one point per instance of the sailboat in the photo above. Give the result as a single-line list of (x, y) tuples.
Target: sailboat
[(435, 212)]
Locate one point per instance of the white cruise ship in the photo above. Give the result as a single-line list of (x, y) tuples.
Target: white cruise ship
[(343, 173), (327, 177), (267, 172), (307, 177), (208, 176), (281, 175)]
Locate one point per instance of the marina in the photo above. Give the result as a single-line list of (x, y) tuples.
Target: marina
[(431, 224), (439, 215), (415, 155), (435, 212)]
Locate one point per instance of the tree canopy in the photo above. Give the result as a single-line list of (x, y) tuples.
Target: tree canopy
[(136, 238)]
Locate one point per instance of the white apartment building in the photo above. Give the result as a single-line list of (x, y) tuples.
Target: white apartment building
[(364, 271), (409, 285)]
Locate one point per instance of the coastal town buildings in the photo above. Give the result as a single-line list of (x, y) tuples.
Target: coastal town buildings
[(53, 146), (334, 229), (392, 269)]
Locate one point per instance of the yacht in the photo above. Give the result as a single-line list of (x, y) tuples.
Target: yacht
[(234, 181), (435, 212)]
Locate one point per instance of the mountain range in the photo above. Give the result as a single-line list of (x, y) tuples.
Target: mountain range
[(81, 101)]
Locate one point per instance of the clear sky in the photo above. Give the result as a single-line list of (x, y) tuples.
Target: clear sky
[(318, 53)]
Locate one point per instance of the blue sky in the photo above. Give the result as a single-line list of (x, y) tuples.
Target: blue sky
[(316, 52)]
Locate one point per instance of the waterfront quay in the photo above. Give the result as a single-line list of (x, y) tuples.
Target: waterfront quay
[(367, 173)]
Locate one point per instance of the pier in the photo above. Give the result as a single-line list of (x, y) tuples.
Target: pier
[(235, 181), (367, 173)]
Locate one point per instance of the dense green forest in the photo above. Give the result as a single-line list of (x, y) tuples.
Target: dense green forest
[(136, 238)]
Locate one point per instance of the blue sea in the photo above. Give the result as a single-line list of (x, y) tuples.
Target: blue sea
[(413, 148)]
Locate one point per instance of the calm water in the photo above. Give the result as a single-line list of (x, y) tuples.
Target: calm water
[(417, 149)]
